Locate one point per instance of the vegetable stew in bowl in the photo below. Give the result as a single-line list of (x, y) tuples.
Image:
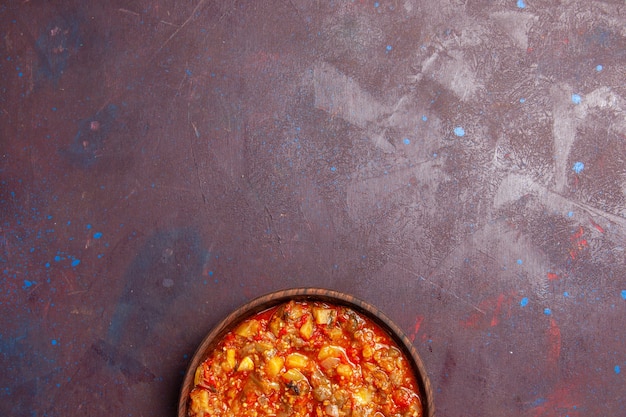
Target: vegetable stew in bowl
[(306, 352)]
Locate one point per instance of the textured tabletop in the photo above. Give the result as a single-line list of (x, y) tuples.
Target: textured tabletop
[(459, 164)]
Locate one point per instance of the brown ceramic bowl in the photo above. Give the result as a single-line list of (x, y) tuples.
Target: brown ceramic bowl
[(308, 294)]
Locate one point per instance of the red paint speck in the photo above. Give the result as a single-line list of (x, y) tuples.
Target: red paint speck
[(578, 243), (552, 276), (416, 327), (562, 401), (578, 234), (554, 342), (597, 226), (490, 311), (496, 313)]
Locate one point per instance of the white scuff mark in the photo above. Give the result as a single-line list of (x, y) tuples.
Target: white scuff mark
[(364, 196), (516, 25), (564, 125), (515, 186), (605, 98), (341, 96), (501, 244), (338, 94), (568, 116), (452, 70), (459, 76)]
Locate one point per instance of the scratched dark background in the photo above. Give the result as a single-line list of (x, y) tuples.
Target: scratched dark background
[(460, 164)]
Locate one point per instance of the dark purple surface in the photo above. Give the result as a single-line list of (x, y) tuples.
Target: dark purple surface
[(458, 164)]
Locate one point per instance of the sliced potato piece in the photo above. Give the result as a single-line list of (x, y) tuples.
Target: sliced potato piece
[(344, 370), (362, 396), (306, 330), (274, 366), (246, 364), (294, 375), (335, 334), (323, 315), (296, 360), (248, 329), (198, 376), (231, 360), (199, 401), (277, 322)]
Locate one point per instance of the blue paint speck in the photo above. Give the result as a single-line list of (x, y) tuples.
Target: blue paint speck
[(617, 369), (524, 302), (97, 235), (522, 100), (376, 4), (19, 74), (521, 4), (57, 258), (623, 294), (538, 402), (54, 342), (188, 72), (75, 262), (565, 294), (578, 167), (576, 98), (389, 48), (333, 169), (519, 262), (27, 284), (406, 141), (547, 311), (459, 131), (47, 265), (424, 118), (570, 214), (88, 226), (599, 68)]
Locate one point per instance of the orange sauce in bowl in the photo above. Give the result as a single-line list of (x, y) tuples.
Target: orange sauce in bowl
[(306, 359)]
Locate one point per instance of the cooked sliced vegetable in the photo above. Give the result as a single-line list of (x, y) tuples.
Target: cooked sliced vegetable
[(248, 328), (246, 364), (305, 359), (344, 370), (294, 375), (274, 366), (323, 315), (198, 377), (331, 351), (199, 400), (306, 330), (296, 360)]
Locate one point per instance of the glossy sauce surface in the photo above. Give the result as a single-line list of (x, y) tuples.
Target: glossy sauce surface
[(306, 359)]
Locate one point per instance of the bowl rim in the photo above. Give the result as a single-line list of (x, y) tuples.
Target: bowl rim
[(269, 300)]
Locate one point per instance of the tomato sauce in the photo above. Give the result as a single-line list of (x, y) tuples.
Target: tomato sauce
[(306, 359)]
